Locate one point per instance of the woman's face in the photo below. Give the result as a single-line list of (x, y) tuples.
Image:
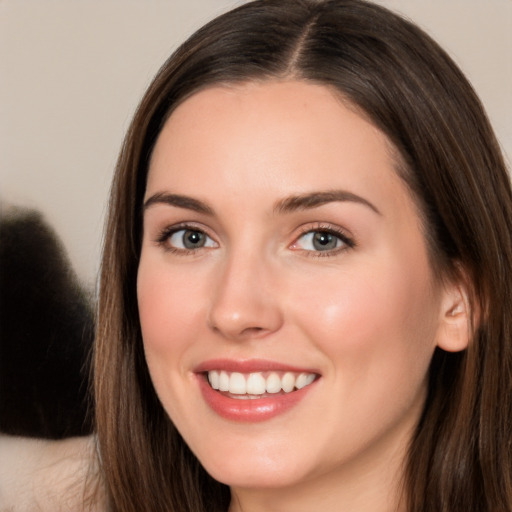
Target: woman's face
[(282, 251)]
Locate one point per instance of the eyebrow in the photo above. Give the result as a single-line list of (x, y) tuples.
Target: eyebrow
[(287, 205), (179, 201), (315, 199)]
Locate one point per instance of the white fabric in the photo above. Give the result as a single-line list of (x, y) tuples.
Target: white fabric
[(46, 476)]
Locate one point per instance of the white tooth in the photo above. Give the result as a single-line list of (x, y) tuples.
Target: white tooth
[(223, 381), (213, 377), (237, 384), (300, 382), (288, 382), (256, 384), (273, 383), (310, 379), (304, 379)]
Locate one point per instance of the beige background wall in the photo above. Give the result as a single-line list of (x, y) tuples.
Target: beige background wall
[(72, 72)]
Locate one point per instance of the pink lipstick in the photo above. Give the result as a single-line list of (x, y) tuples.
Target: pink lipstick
[(253, 390)]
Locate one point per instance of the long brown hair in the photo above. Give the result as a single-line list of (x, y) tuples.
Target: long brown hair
[(407, 86)]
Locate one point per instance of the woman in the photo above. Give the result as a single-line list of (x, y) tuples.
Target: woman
[(305, 295)]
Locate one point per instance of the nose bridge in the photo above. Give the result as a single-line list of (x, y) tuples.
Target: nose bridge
[(244, 302)]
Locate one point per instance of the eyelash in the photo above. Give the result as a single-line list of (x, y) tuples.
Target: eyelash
[(164, 236), (348, 242)]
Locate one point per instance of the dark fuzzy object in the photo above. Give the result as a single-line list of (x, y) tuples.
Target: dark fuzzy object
[(46, 333)]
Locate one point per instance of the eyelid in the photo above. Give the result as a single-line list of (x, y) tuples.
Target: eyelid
[(346, 238), (163, 236)]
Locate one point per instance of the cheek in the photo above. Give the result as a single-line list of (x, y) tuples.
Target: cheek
[(168, 305), (169, 316), (373, 318)]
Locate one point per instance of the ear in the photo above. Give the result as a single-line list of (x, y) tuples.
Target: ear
[(455, 323)]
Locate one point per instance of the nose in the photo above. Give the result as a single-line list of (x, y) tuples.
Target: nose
[(245, 302)]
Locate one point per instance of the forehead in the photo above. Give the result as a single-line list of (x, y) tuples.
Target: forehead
[(301, 131)]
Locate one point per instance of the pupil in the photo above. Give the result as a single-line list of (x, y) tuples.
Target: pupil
[(193, 239), (323, 241)]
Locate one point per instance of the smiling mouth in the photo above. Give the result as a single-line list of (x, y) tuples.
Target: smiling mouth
[(256, 385)]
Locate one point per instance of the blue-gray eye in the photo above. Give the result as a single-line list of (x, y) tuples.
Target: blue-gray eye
[(319, 241), (190, 239)]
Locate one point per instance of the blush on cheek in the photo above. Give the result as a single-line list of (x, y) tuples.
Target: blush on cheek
[(167, 305), (380, 310), (347, 312)]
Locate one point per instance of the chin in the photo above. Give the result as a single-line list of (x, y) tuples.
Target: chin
[(256, 477), (258, 470)]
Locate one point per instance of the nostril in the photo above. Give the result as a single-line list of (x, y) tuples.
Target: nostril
[(252, 330), (244, 333)]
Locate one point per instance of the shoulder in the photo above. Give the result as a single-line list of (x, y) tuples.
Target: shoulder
[(47, 475)]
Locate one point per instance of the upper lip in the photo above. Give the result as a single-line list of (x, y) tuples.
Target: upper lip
[(249, 366)]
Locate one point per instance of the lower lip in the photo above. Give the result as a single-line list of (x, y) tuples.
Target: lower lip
[(252, 410)]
